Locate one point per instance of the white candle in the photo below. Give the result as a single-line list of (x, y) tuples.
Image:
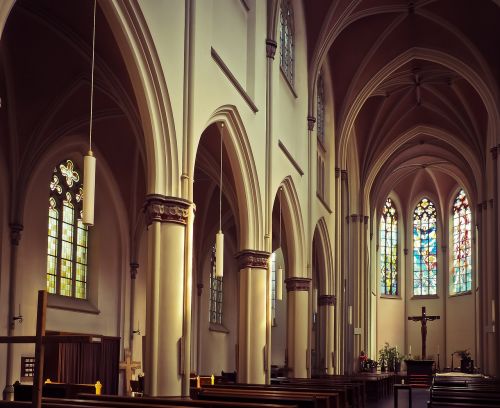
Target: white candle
[(410, 350)]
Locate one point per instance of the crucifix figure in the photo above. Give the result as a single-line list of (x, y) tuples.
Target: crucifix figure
[(423, 319), (129, 367)]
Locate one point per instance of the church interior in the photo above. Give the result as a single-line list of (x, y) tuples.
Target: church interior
[(282, 189)]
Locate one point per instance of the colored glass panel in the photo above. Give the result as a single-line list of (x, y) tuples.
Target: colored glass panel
[(66, 259), (287, 42), (389, 249), (461, 273), (216, 294), (424, 248), (320, 114)]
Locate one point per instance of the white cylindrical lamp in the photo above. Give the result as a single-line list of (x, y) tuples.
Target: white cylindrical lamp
[(89, 166), (279, 283), (219, 254), (315, 300)]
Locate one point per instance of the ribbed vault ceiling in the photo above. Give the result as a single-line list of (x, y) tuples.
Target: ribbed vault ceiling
[(399, 66)]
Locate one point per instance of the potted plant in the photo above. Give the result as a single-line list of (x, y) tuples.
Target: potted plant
[(384, 357), (466, 362)]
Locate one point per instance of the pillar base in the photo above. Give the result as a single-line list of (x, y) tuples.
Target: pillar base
[(8, 393)]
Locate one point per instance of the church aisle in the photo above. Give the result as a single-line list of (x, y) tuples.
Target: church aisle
[(420, 396)]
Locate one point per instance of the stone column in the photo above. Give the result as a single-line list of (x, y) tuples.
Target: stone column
[(297, 325), (252, 353), (133, 275), (326, 305), (15, 238), (166, 218)]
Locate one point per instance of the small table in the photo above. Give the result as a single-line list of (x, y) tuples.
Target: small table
[(398, 387)]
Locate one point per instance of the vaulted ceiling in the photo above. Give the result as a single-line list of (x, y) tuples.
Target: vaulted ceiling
[(416, 89)]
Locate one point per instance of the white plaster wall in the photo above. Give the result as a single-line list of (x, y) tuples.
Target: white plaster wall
[(165, 21), (278, 330), (4, 267), (460, 327), (218, 349), (107, 263)]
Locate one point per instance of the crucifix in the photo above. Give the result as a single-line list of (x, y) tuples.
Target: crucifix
[(129, 367), (40, 339), (423, 319)]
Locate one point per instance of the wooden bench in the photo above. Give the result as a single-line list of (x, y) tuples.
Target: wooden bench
[(130, 402), (455, 393), (347, 397), (357, 386), (102, 400), (301, 399)]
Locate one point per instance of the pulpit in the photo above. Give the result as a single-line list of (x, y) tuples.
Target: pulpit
[(419, 372)]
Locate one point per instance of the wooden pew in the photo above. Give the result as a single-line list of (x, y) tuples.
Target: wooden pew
[(301, 399), (101, 400), (129, 402), (358, 385), (464, 393), (347, 395)]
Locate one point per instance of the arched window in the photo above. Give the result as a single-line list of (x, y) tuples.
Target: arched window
[(461, 274), (320, 120), (424, 248), (287, 42), (273, 288), (215, 292), (68, 237), (389, 249)]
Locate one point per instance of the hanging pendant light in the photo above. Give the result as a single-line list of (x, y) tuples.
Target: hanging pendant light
[(279, 274), (219, 238), (89, 161)]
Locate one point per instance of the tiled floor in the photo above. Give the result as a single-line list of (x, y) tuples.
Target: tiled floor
[(420, 397)]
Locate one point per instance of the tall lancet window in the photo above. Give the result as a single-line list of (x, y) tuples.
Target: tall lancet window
[(287, 41), (461, 274), (389, 249), (320, 120), (215, 292), (424, 248), (67, 236)]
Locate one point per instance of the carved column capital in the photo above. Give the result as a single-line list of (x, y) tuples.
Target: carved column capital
[(295, 284), (161, 208), (270, 48), (133, 269), (327, 300), (15, 233), (406, 251), (250, 258), (343, 174), (365, 219), (337, 172), (311, 120), (354, 217)]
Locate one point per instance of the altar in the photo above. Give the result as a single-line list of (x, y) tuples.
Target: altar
[(419, 372)]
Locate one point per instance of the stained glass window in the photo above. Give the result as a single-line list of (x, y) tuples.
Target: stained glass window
[(287, 42), (67, 236), (389, 249), (320, 120), (273, 288), (424, 248), (461, 274), (215, 292)]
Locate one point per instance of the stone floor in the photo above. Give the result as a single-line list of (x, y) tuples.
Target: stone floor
[(420, 396)]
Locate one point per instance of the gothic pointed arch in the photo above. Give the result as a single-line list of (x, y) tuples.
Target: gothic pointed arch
[(324, 256), (244, 172)]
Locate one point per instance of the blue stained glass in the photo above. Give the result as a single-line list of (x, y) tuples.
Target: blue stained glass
[(389, 249), (424, 248), (461, 274)]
